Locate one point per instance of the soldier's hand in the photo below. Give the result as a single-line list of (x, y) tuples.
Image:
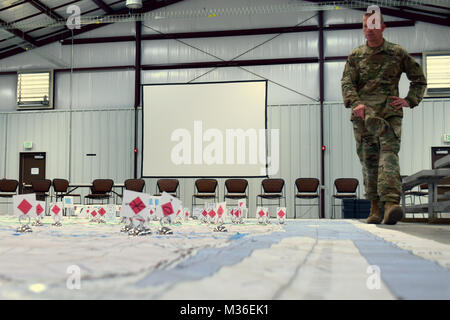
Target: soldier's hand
[(399, 103), (358, 111)]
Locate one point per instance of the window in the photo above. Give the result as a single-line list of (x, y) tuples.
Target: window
[(437, 71), (34, 90)]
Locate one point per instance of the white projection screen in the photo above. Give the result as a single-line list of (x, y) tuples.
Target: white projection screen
[(205, 129)]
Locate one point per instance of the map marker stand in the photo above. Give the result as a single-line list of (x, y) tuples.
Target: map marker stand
[(24, 227)]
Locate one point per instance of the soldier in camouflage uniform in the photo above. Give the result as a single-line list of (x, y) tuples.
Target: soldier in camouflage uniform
[(370, 87)]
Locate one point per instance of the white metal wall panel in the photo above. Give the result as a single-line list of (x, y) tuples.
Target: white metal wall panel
[(294, 83), (100, 55), (341, 160), (90, 90), (109, 135), (95, 90), (49, 56), (8, 89), (350, 16), (423, 127), (299, 150), (47, 131), (114, 30), (3, 173), (3, 134), (429, 37), (289, 45), (422, 37)]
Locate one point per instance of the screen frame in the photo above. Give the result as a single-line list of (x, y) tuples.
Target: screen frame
[(195, 83)]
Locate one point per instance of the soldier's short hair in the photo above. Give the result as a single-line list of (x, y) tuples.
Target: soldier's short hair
[(367, 15)]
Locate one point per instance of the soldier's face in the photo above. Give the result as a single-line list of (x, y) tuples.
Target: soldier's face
[(373, 35)]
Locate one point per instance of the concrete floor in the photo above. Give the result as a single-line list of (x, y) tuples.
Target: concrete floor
[(439, 233)]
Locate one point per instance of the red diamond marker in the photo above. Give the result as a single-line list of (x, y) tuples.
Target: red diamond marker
[(261, 213), (94, 213), (212, 213), (151, 211), (281, 213), (101, 211), (204, 213), (56, 209), (24, 206), (167, 209), (137, 205), (39, 209), (220, 211)]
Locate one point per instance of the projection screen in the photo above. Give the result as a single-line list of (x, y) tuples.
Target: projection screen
[(205, 129)]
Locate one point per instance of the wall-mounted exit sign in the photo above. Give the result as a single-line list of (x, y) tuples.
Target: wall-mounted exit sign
[(447, 137), (28, 145)]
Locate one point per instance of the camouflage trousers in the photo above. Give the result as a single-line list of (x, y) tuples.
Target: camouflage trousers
[(379, 159)]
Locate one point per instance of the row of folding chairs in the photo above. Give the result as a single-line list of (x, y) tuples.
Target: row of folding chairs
[(272, 189)]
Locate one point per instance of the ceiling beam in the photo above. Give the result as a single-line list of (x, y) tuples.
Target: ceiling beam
[(234, 63), (437, 7), (442, 14), (41, 12), (103, 6), (401, 14), (64, 5), (13, 5), (147, 6), (415, 16), (230, 33), (12, 52), (45, 10), (21, 34)]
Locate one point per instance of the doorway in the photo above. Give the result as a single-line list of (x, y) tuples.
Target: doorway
[(31, 167)]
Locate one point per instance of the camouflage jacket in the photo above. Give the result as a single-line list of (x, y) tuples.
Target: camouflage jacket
[(371, 76)]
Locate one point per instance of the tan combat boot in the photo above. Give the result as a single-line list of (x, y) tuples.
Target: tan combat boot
[(392, 213), (375, 212)]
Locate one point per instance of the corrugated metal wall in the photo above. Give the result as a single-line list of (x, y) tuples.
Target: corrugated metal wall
[(109, 134), (423, 128), (47, 131), (3, 133)]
